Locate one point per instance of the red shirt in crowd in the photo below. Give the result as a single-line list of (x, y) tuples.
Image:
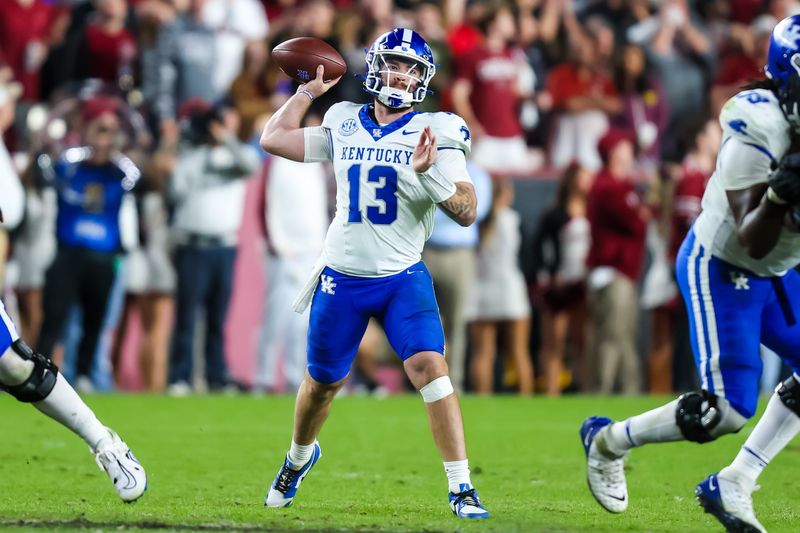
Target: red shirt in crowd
[(19, 27), (618, 232), (494, 78), (107, 52), (688, 196), (564, 83), (739, 68)]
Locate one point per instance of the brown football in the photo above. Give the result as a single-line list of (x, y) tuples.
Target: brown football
[(299, 59)]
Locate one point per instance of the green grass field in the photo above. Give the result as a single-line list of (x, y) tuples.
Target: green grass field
[(210, 460)]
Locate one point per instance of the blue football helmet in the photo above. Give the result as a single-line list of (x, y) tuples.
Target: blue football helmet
[(410, 47), (783, 66)]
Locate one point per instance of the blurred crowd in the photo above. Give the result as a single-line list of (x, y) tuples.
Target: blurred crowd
[(130, 148)]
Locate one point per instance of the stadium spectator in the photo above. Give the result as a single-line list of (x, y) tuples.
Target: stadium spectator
[(107, 50), (151, 276), (294, 242), (152, 16), (253, 90), (583, 97), (93, 184), (644, 105), (234, 23), (683, 58), (24, 38), (499, 301), (187, 60), (450, 255), (207, 190), (618, 220), (486, 94), (428, 22), (744, 65), (561, 245)]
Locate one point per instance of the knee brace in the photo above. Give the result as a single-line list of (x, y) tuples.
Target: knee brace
[(703, 416), (789, 393), (437, 389), (38, 385)]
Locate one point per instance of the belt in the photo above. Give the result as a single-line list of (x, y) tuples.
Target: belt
[(197, 240)]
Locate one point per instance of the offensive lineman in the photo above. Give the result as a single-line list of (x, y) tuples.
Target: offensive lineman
[(735, 271), (32, 378), (390, 176)]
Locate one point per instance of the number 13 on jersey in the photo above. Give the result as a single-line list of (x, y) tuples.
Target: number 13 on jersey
[(385, 193)]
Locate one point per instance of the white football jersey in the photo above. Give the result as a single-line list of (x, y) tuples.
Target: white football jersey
[(755, 135), (383, 214)]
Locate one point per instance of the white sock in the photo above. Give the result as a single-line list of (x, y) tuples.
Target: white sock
[(656, 425), (65, 406), (777, 427), (300, 454), (457, 475)]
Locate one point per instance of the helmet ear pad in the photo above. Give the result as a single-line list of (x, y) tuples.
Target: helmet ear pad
[(789, 93)]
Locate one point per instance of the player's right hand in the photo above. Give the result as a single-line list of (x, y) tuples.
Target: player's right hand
[(785, 180), (318, 86)]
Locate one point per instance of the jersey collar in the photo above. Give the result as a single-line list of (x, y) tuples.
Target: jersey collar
[(373, 128)]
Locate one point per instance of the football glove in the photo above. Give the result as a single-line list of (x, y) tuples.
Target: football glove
[(785, 180)]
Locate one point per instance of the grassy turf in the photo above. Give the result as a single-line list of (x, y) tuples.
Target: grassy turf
[(210, 460)]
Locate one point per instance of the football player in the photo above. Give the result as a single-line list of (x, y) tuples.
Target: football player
[(735, 271), (32, 378), (393, 166)]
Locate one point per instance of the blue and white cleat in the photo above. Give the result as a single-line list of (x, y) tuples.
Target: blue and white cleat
[(605, 472), (116, 459), (730, 503), (466, 503), (284, 487)]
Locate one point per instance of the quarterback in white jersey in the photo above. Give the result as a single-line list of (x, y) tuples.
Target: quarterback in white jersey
[(393, 167), (736, 273)]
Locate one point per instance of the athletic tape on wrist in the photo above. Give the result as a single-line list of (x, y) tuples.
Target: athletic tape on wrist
[(773, 197), (438, 186), (437, 389)]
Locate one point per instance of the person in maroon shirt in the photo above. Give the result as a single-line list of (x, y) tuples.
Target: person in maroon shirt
[(583, 97), (745, 65), (618, 220), (24, 39), (108, 49), (486, 92)]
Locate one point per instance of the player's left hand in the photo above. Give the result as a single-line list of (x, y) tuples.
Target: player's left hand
[(425, 151), (785, 180)]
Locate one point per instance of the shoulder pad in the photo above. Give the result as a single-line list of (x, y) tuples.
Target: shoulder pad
[(451, 132), (338, 113), (755, 118)]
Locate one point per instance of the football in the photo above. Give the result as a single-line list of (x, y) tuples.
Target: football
[(299, 59)]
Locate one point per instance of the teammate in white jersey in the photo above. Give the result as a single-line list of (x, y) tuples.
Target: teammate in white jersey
[(735, 271), (32, 378), (393, 167)]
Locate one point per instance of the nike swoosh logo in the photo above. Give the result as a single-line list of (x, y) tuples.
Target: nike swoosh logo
[(413, 271), (618, 498), (406, 132), (712, 485)]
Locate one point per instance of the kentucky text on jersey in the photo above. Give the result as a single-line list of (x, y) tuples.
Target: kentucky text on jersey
[(386, 155)]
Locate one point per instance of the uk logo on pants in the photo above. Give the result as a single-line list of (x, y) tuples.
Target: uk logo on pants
[(327, 284)]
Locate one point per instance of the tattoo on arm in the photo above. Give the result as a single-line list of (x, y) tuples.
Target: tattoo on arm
[(461, 207)]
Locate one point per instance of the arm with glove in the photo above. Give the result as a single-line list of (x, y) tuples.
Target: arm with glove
[(761, 210)]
